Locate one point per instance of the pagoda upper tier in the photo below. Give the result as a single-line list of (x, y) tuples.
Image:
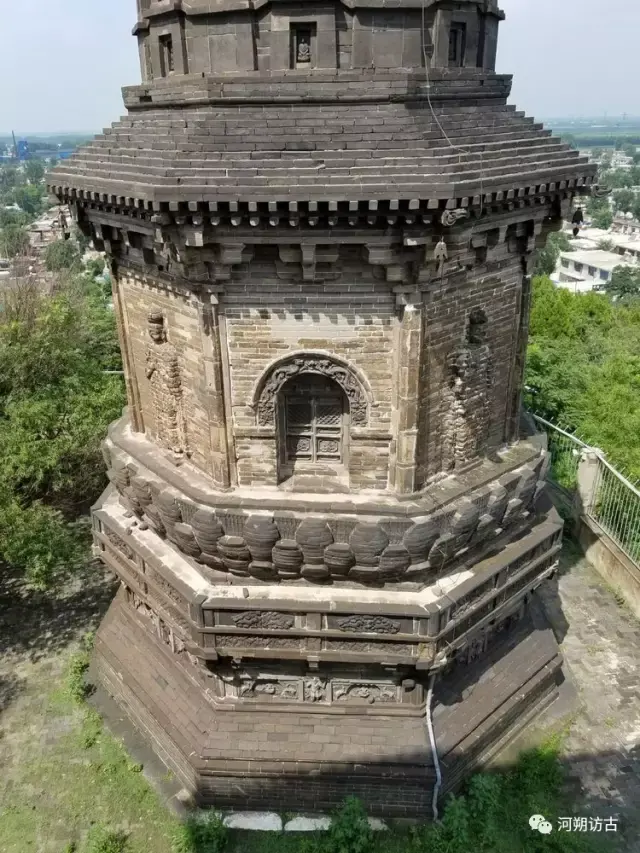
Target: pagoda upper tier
[(271, 102)]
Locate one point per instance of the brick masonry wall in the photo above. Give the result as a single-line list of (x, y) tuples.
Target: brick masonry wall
[(139, 296), (352, 317), (446, 314)]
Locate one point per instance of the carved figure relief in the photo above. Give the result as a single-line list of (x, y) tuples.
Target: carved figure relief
[(471, 377), (369, 624), (303, 52), (312, 364), (163, 631), (370, 693), (163, 373), (119, 543), (166, 587), (266, 619), (314, 689), (277, 689)]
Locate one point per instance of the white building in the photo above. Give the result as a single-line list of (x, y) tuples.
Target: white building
[(625, 224), (586, 269), (620, 160), (625, 245)]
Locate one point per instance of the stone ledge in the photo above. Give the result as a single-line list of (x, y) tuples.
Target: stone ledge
[(196, 486), (523, 668), (287, 621)]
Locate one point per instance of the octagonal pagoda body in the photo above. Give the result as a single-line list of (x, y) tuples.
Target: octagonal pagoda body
[(320, 218)]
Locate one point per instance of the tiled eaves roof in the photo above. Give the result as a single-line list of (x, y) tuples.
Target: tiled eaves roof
[(328, 151), (209, 7)]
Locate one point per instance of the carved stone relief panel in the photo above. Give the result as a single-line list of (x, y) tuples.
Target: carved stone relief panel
[(344, 691), (162, 630), (324, 366), (314, 690), (119, 543), (466, 423), (164, 376), (264, 619), (284, 546), (369, 624)]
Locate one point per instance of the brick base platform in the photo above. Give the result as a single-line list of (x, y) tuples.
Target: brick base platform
[(256, 759)]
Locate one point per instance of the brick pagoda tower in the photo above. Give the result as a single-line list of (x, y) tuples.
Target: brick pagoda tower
[(323, 499)]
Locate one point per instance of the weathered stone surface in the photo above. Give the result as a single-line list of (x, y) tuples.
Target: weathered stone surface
[(261, 534), (320, 495)]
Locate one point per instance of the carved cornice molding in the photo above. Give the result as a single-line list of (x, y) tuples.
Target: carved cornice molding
[(200, 217), (180, 246)]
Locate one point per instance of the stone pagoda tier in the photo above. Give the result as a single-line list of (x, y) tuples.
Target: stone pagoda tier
[(323, 498)]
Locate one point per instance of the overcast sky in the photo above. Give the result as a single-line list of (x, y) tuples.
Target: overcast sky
[(62, 62)]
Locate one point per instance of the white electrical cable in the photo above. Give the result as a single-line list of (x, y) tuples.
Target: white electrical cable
[(437, 120), (434, 749)]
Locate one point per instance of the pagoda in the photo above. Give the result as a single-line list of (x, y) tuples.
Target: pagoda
[(326, 507)]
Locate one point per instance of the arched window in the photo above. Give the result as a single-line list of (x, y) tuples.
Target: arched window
[(313, 415)]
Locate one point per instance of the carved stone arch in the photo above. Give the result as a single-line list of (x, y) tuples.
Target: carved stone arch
[(353, 384)]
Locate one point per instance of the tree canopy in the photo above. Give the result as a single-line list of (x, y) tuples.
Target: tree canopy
[(624, 282), (62, 255), (55, 404), (14, 240), (583, 368), (624, 200), (547, 258)]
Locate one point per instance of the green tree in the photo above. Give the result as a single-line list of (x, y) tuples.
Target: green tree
[(55, 404), (13, 217), (583, 365), (30, 199), (9, 178), (624, 200), (62, 255), (81, 239), (14, 240), (547, 258), (34, 171), (624, 282), (618, 178), (602, 218)]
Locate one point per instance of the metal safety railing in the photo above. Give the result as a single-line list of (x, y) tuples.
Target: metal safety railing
[(585, 482), (615, 506)]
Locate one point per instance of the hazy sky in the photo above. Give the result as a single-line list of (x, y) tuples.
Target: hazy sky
[(62, 62)]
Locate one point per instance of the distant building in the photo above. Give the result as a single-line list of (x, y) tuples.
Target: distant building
[(585, 269), (627, 245), (49, 227), (625, 224), (620, 160)]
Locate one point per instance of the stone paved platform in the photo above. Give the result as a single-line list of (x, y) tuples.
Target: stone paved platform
[(600, 641)]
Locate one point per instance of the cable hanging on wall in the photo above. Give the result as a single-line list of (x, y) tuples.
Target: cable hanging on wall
[(458, 148)]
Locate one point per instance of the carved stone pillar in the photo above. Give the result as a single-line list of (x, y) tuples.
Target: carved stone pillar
[(131, 383), (408, 351), (214, 390), (517, 379)]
